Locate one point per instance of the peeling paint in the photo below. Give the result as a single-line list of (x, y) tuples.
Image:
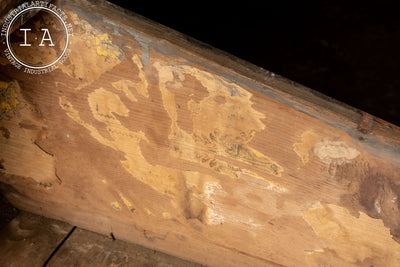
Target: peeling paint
[(335, 152), (123, 139), (111, 103), (123, 85), (302, 149), (224, 133), (104, 106), (92, 52), (101, 43), (219, 130)]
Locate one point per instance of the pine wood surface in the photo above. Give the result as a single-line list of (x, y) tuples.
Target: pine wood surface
[(174, 145)]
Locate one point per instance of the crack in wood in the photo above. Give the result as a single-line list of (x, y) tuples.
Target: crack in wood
[(59, 246)]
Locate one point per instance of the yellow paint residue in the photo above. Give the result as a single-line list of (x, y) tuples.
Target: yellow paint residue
[(3, 85), (5, 107), (149, 212), (92, 38), (220, 132), (351, 239), (8, 98), (171, 182), (116, 205), (21, 155), (92, 52), (257, 154), (101, 42), (302, 149), (127, 203)]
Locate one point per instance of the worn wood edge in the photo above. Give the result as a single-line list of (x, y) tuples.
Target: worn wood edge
[(86, 248), (104, 225), (30, 239), (27, 232), (376, 136)]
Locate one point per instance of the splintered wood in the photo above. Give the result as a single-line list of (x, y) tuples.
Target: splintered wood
[(168, 143)]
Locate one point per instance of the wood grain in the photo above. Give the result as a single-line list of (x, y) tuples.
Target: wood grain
[(29, 240), (32, 240), (177, 146), (85, 248)]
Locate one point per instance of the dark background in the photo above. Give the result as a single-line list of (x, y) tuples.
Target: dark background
[(348, 50)]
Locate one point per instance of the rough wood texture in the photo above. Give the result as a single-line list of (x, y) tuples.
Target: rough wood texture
[(32, 240), (174, 145), (85, 248), (29, 240)]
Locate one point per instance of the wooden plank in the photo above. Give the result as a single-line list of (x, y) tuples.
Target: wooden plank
[(29, 240), (171, 144), (85, 248)]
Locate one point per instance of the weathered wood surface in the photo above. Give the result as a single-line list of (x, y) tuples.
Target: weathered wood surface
[(32, 240), (85, 248), (174, 145), (29, 240)]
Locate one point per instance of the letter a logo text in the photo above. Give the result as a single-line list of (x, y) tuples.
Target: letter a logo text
[(46, 31)]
